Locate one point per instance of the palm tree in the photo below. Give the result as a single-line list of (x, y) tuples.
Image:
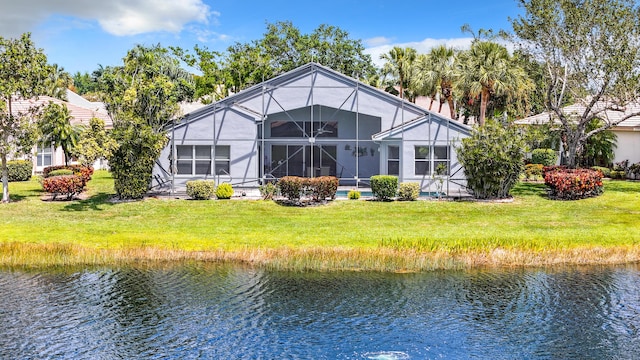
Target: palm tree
[(437, 72), (487, 70), (55, 126), (58, 82), (398, 65)]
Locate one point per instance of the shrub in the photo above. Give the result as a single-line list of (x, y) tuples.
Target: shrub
[(606, 172), (533, 171), (546, 157), (634, 171), (353, 195), (618, 174), (224, 191), (408, 191), (384, 187), (322, 187), (201, 189), (19, 170), (621, 166), (493, 159), (60, 172), (68, 185), (84, 172), (291, 187), (572, 184), (268, 191)]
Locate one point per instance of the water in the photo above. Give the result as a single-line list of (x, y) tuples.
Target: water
[(202, 311)]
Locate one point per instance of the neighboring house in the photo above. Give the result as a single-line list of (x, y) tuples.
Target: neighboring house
[(627, 131), (312, 121), (81, 111)]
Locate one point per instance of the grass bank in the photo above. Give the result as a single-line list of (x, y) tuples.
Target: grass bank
[(344, 235)]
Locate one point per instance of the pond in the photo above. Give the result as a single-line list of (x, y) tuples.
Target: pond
[(201, 311)]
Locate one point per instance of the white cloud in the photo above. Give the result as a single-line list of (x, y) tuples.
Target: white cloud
[(422, 47), (117, 17)]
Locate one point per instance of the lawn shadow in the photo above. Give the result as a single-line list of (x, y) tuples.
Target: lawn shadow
[(17, 198), (92, 203), (530, 189)]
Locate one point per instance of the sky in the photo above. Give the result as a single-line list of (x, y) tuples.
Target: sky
[(79, 35)]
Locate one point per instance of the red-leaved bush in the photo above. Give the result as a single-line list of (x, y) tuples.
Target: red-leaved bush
[(320, 188), (67, 185), (84, 172), (572, 184)]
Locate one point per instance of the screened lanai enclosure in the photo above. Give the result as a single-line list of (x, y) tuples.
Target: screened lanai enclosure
[(310, 122)]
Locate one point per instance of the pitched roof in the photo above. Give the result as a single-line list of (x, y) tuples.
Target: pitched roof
[(605, 111), (235, 99), (80, 114)]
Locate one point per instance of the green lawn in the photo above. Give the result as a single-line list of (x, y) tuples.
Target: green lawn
[(265, 232)]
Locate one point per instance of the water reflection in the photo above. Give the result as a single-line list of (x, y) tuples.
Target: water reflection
[(223, 311)]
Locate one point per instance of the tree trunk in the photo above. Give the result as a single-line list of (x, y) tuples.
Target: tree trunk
[(5, 179), (484, 100)]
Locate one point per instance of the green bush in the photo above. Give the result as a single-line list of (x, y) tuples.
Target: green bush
[(19, 170), (533, 171), (604, 170), (384, 187), (618, 174), (268, 191), (634, 171), (60, 172), (546, 157), (353, 195), (408, 191), (493, 159), (84, 172), (224, 191), (201, 189)]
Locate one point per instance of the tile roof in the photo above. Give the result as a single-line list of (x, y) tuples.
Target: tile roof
[(608, 115), (80, 114)]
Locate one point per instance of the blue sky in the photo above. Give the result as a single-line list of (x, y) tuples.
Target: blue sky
[(80, 34)]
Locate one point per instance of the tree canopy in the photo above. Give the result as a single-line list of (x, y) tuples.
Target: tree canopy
[(591, 55), (23, 70)]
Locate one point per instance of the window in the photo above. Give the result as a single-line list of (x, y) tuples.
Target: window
[(422, 160), (44, 156), (441, 160), (196, 159), (431, 160), (223, 160), (393, 160)]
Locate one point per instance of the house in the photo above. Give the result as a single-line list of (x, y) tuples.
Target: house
[(627, 131), (312, 121), (81, 111)]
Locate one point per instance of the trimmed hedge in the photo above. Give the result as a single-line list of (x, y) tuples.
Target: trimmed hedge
[(320, 188), (224, 191), (546, 157), (67, 185), (201, 189), (573, 184), (384, 187), (268, 191), (408, 191), (60, 172), (19, 170)]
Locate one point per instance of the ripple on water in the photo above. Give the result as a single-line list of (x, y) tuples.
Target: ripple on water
[(220, 311)]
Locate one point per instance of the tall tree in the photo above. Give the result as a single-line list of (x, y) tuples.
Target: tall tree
[(23, 70), (95, 143), (438, 70), (399, 65), (591, 53), (487, 70), (56, 129), (142, 97), (58, 82)]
